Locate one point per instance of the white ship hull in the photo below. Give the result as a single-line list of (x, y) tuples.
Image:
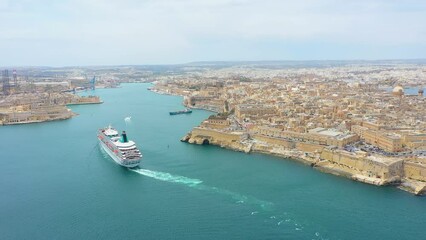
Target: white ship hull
[(115, 157)]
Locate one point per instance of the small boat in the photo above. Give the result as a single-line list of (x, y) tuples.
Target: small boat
[(186, 111)]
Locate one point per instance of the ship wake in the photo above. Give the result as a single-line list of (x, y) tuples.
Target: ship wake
[(198, 184), (261, 208), (167, 177)]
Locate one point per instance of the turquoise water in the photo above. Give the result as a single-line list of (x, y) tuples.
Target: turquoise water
[(56, 183)]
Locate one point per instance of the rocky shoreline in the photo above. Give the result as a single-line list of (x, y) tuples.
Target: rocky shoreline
[(247, 146)]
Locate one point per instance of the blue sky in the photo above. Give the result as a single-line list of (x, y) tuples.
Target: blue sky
[(106, 32)]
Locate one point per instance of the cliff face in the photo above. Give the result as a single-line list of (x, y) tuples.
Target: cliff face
[(364, 168), (234, 140), (408, 176)]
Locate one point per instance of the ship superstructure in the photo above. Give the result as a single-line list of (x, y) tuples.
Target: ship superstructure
[(123, 151)]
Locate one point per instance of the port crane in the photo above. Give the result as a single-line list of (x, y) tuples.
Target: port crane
[(93, 83)]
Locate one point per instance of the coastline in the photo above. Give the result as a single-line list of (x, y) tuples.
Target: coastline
[(175, 177), (84, 103), (25, 114), (73, 114), (183, 102), (318, 162), (409, 185)]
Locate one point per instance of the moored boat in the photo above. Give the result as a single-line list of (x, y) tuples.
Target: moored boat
[(186, 111)]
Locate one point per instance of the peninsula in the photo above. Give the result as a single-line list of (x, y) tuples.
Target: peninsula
[(365, 121), (39, 97)]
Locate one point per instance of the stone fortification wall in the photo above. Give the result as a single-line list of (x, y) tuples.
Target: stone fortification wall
[(365, 165), (232, 140), (274, 141), (421, 160), (309, 147), (409, 174), (288, 144), (415, 171), (39, 114), (216, 136)]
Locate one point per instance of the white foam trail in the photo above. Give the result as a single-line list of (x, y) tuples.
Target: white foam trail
[(238, 197), (167, 177), (128, 120), (196, 183)]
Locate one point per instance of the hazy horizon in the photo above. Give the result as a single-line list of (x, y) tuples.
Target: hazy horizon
[(239, 62), (164, 32)]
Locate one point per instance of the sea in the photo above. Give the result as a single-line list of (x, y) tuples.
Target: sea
[(57, 183)]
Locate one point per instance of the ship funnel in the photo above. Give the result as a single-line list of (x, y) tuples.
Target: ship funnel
[(124, 137)]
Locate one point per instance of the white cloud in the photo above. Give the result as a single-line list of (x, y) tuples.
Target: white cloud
[(162, 27)]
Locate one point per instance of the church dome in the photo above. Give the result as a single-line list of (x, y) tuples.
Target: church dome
[(398, 91), (398, 88)]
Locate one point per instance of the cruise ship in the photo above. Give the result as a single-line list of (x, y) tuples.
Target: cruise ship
[(123, 151)]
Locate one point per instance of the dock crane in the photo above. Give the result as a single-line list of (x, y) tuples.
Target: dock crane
[(93, 83)]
